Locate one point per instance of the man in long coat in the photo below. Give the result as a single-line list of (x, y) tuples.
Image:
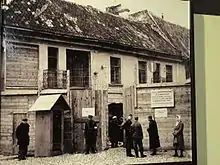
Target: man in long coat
[(137, 138), (154, 140), (178, 140), (90, 135), (128, 134), (115, 131), (22, 135)]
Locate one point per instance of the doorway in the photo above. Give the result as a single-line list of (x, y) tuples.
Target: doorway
[(116, 109), (52, 67), (57, 131), (17, 119)]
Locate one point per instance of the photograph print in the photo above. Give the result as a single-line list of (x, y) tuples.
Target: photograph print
[(95, 82)]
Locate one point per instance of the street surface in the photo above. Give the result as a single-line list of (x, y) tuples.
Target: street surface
[(114, 156)]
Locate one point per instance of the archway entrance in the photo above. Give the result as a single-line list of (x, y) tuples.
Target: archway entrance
[(115, 109)]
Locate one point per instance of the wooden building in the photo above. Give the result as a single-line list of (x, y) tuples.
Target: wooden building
[(94, 60)]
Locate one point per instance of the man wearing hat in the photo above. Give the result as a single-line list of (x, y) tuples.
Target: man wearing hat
[(90, 135), (154, 140), (128, 133), (22, 134), (115, 131)]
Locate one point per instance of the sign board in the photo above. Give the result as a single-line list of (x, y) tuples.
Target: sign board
[(160, 112), (162, 98), (88, 111)]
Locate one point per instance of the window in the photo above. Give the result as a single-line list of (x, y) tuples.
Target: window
[(115, 70), (169, 73), (52, 58), (142, 72), (156, 74), (51, 73), (78, 64)]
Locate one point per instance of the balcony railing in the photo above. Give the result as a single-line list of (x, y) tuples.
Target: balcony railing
[(54, 79)]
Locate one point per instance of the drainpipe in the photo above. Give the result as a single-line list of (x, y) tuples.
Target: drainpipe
[(2, 8)]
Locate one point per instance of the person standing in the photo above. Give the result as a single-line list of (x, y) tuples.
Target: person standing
[(126, 125), (137, 138), (178, 138), (22, 135), (115, 131), (154, 140), (90, 135)]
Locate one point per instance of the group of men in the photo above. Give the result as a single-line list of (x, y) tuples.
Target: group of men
[(133, 133), (134, 136)]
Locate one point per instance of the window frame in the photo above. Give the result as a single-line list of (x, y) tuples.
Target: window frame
[(142, 72), (169, 75), (116, 70)]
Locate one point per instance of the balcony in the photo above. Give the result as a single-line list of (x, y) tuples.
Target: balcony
[(63, 79), (54, 79)]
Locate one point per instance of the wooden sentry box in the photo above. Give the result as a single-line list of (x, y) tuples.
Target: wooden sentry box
[(49, 128)]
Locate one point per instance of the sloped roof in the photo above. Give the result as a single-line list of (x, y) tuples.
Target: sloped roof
[(58, 16), (177, 35), (46, 103)]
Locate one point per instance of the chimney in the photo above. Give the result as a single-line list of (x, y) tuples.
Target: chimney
[(162, 16), (117, 10)]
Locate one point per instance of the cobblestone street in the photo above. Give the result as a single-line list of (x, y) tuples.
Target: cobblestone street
[(109, 157)]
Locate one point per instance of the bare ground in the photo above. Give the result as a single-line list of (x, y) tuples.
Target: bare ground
[(110, 157)]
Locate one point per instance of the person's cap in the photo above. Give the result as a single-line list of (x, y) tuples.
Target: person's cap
[(130, 115), (136, 118), (25, 119), (150, 117), (114, 117)]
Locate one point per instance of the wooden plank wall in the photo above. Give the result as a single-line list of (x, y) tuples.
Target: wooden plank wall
[(22, 65), (9, 106), (88, 99), (182, 97), (44, 142), (129, 101)]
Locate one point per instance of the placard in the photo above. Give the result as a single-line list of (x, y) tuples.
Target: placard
[(160, 112), (88, 111), (162, 98)]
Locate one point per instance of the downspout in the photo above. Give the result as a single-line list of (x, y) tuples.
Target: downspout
[(1, 59)]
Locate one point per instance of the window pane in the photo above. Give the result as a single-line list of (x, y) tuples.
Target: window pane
[(169, 73), (115, 70), (142, 69), (156, 74)]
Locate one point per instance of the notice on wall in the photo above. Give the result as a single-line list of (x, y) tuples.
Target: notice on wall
[(162, 98), (160, 112), (88, 111)]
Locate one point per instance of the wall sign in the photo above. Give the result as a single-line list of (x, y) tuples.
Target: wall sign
[(162, 98), (160, 112), (88, 111)]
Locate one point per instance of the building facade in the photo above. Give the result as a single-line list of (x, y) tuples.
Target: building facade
[(93, 59)]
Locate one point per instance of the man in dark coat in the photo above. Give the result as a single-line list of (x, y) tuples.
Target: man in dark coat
[(90, 135), (115, 132), (128, 134), (22, 135), (178, 140), (137, 138), (154, 140)]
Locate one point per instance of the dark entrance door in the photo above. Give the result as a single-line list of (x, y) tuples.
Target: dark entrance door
[(116, 109), (57, 132), (52, 67)]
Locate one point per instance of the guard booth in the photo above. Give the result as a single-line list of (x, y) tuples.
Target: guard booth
[(49, 127)]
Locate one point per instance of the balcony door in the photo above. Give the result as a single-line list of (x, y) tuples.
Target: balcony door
[(52, 67), (78, 64)]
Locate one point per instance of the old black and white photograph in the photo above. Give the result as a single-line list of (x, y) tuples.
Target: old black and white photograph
[(95, 82)]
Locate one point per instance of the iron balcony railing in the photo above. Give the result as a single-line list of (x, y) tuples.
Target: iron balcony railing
[(54, 79)]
